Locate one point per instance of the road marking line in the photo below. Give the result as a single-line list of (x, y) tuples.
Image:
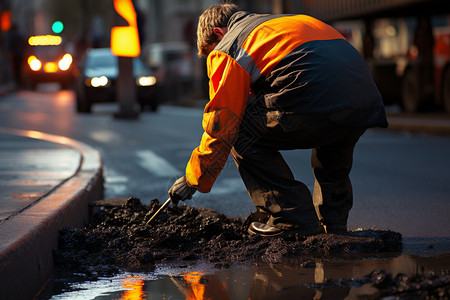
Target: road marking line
[(105, 136), (157, 165)]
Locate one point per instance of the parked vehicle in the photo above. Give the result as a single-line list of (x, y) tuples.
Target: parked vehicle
[(97, 80), (173, 67)]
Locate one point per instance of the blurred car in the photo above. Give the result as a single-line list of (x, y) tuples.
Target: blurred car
[(173, 65), (48, 61), (97, 80)]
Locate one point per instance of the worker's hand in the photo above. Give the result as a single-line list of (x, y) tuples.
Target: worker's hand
[(181, 190)]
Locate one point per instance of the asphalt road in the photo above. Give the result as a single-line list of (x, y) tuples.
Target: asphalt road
[(401, 180)]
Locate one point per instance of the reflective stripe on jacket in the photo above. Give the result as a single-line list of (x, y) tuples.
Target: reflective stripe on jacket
[(295, 64)]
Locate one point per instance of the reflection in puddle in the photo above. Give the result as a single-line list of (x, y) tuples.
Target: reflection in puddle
[(313, 280), (134, 286)]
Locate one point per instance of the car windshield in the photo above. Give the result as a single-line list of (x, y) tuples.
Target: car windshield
[(48, 52), (99, 60), (107, 59)]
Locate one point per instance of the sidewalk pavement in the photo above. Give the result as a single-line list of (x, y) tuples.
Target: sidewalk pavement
[(46, 183)]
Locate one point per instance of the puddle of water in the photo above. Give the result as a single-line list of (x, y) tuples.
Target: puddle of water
[(247, 281)]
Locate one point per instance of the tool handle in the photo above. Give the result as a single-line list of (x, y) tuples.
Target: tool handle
[(159, 210)]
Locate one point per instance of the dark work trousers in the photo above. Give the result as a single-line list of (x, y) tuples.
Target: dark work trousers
[(270, 182)]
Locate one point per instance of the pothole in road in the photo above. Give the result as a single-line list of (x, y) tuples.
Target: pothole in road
[(119, 239)]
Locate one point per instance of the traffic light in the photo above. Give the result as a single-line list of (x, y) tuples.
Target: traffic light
[(57, 27), (125, 39)]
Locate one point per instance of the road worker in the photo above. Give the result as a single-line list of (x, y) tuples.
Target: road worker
[(282, 82)]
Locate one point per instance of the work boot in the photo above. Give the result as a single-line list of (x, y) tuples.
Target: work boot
[(258, 216), (264, 230)]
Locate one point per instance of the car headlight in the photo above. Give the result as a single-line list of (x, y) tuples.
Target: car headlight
[(98, 81), (146, 80), (34, 63), (65, 62)]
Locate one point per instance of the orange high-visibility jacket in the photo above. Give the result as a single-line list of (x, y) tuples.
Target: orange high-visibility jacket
[(295, 64)]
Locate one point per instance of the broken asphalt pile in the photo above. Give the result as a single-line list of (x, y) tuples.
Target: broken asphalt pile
[(119, 239)]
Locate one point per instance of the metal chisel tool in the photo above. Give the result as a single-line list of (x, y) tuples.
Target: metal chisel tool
[(159, 210)]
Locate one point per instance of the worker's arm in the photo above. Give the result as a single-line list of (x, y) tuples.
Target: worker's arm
[(229, 88)]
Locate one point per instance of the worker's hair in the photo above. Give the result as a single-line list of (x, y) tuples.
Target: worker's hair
[(214, 16)]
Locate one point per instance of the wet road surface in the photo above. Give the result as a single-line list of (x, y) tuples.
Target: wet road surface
[(316, 280), (400, 179)]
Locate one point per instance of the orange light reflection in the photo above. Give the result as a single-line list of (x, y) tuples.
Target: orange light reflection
[(34, 134), (135, 288), (197, 288), (64, 97), (39, 135)]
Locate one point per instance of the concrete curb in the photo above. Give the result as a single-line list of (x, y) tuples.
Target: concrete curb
[(28, 240), (431, 125)]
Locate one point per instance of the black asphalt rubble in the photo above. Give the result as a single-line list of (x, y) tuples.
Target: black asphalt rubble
[(119, 240), (40, 197)]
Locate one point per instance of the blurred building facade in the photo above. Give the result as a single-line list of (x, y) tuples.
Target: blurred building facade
[(406, 43)]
